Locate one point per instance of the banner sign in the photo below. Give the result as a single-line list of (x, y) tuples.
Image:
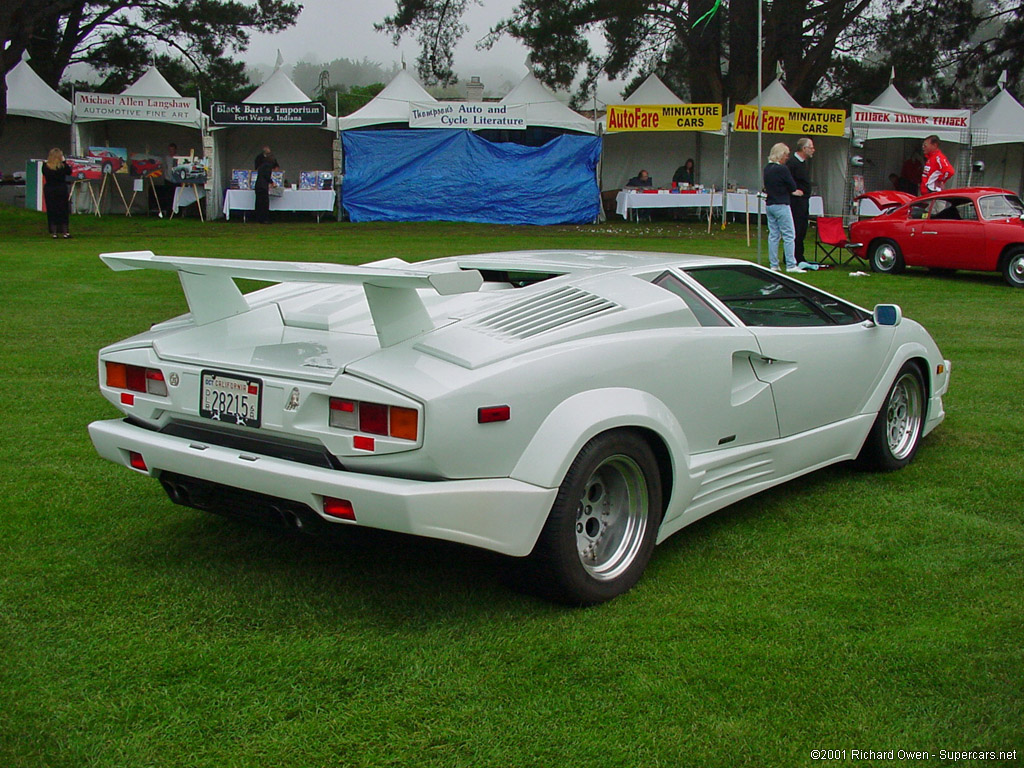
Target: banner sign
[(895, 118), (160, 109), (795, 120), (473, 115), (307, 113), (664, 117)]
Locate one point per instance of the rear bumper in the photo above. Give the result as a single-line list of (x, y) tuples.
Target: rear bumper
[(498, 514)]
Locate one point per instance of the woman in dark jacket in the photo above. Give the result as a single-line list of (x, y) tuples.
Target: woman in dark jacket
[(55, 193)]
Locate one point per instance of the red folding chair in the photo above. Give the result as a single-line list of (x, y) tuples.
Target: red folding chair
[(832, 242)]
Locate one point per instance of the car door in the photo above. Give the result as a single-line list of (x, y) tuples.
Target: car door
[(820, 355), (951, 236)]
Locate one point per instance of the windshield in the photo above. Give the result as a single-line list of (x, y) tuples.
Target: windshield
[(1000, 206)]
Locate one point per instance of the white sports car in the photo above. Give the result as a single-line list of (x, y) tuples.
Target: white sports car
[(570, 409)]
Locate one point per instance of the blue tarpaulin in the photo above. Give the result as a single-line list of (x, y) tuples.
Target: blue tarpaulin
[(430, 174)]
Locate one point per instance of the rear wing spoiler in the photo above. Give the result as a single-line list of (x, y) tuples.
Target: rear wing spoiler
[(396, 307)]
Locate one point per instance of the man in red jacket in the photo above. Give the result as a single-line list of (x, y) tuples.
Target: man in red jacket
[(937, 169)]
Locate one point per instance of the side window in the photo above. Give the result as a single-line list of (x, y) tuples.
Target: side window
[(706, 314), (918, 211), (953, 209), (760, 298), (1000, 207)]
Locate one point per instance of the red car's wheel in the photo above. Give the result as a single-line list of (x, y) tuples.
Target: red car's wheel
[(1013, 268), (886, 257)]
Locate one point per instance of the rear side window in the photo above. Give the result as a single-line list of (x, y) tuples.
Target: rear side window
[(760, 298), (1000, 207), (706, 315)]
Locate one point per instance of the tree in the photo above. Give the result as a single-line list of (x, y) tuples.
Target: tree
[(119, 38), (828, 50)]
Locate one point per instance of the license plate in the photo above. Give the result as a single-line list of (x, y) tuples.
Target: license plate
[(230, 399)]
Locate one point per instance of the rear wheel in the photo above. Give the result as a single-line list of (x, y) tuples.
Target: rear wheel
[(603, 525), (896, 433), (1013, 268), (886, 257)]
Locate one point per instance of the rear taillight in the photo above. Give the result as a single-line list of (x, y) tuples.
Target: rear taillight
[(375, 418), (136, 378)]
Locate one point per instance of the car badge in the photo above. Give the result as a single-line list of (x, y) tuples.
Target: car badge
[(293, 400), (173, 379)]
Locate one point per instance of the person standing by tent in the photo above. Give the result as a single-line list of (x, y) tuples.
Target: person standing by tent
[(262, 155), (798, 167), (55, 193), (264, 181), (779, 188), (937, 169), (165, 191), (685, 173)]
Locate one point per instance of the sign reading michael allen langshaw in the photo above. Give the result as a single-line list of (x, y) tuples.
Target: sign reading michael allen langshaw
[(308, 113)]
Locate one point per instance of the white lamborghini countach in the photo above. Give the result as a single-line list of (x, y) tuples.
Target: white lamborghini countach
[(568, 409)]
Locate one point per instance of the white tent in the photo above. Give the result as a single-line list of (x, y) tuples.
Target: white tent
[(296, 147), (827, 169), (997, 132), (37, 119), (625, 153), (544, 110), (148, 133), (887, 136), (390, 105)]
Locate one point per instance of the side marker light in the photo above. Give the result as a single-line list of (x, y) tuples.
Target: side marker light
[(340, 508), (493, 413)]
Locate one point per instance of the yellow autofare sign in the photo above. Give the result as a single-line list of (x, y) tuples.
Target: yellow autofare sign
[(664, 117), (806, 122)]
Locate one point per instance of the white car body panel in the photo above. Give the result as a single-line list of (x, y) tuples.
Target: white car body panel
[(733, 409)]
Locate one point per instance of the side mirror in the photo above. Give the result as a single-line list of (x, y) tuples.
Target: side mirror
[(888, 314)]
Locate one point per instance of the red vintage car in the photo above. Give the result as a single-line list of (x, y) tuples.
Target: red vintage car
[(979, 228)]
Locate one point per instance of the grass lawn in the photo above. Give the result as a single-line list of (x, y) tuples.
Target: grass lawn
[(843, 611)]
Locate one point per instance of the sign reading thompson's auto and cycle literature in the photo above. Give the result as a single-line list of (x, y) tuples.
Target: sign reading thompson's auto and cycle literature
[(111, 106), (308, 113), (664, 117), (796, 120), (473, 116)]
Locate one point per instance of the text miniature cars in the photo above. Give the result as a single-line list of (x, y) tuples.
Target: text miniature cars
[(980, 228), (567, 408)]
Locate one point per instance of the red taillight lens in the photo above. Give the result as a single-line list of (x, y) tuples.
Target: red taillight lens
[(136, 461), (373, 418), (340, 508)]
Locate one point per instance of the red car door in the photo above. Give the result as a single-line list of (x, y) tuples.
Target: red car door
[(952, 236)]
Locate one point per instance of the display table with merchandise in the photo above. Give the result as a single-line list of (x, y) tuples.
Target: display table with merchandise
[(628, 201), (317, 201)]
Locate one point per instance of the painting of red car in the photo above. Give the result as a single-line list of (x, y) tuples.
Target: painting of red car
[(142, 165), (978, 228), (85, 168), (110, 162)]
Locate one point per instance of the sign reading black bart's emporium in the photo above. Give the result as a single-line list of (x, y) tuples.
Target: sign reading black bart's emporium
[(309, 113)]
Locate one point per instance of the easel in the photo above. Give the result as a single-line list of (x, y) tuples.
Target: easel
[(92, 195), (197, 201), (117, 184)]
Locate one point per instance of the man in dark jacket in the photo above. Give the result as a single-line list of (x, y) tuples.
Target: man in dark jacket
[(798, 168)]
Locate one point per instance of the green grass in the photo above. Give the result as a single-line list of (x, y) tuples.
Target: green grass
[(841, 611)]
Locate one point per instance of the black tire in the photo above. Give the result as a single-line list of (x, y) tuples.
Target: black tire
[(603, 525), (896, 433), (1013, 268), (886, 257)]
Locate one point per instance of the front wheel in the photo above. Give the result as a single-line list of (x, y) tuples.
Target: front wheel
[(886, 257), (1013, 268), (896, 433), (603, 525)]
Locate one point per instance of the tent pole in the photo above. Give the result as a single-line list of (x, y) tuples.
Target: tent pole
[(760, 117)]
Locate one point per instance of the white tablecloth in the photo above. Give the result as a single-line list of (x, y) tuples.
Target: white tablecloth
[(736, 202), (184, 196), (317, 200), (628, 200)]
